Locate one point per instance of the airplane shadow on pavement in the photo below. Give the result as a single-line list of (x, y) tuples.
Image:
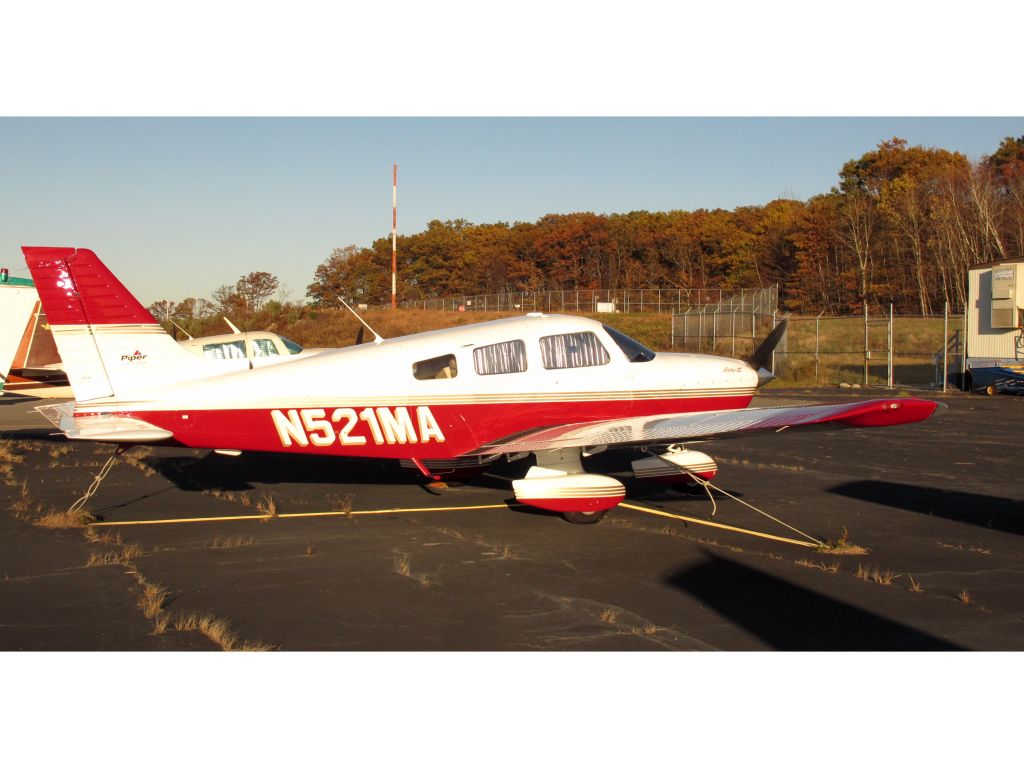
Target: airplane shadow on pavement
[(994, 512), (239, 473), (790, 618)]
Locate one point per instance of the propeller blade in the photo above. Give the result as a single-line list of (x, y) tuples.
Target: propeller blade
[(763, 354)]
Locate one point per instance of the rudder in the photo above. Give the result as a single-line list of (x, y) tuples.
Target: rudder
[(109, 343)]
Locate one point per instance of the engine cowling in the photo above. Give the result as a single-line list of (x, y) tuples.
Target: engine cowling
[(676, 467)]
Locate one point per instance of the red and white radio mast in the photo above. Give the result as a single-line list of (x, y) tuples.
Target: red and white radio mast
[(394, 237)]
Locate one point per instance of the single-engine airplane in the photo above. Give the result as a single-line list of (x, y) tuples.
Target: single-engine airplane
[(558, 387)]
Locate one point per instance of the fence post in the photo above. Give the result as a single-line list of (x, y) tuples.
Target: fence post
[(867, 342), (945, 345), (817, 323), (732, 332), (891, 377)]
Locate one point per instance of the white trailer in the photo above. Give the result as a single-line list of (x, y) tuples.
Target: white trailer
[(995, 327)]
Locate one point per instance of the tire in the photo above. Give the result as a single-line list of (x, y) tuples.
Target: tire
[(584, 518)]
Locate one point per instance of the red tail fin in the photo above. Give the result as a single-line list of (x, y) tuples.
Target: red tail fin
[(76, 288)]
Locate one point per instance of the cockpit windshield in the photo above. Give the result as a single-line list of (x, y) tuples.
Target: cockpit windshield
[(635, 351), (291, 346)]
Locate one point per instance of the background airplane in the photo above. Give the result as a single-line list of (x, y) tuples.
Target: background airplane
[(557, 387), (31, 365)]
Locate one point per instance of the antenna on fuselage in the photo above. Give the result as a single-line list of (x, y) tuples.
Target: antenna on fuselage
[(377, 338), (182, 330), (232, 326)]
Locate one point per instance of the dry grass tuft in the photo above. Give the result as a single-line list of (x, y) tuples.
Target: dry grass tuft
[(9, 453), (58, 451), (218, 631), (842, 546), (266, 505), (340, 503), (163, 619), (94, 536), (152, 601), (507, 553), (915, 585), (647, 629), (123, 556), (230, 542), (832, 568), (885, 577), (430, 579), (23, 504), (138, 464), (65, 519), (609, 616), (402, 565), (965, 597), (309, 549)]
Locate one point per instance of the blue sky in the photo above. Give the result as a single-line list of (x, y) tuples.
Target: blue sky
[(179, 206)]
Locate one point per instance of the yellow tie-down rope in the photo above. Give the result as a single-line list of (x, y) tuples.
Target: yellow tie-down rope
[(333, 513), (723, 526), (398, 510)]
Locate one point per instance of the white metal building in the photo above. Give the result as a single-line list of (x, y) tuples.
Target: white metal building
[(995, 324)]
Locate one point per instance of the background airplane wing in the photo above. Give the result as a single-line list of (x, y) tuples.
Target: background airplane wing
[(673, 428)]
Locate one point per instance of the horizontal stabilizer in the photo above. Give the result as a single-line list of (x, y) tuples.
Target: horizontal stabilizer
[(104, 427)]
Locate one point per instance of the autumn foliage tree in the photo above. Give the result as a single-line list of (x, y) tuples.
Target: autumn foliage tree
[(901, 226)]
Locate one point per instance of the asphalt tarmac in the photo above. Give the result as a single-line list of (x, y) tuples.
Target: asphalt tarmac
[(938, 505)]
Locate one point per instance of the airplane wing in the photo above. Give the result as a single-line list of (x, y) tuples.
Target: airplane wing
[(680, 427)]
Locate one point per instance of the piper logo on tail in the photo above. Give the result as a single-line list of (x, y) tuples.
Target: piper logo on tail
[(134, 357)]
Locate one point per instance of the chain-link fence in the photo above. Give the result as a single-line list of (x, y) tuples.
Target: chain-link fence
[(733, 326), (889, 351), (629, 300)]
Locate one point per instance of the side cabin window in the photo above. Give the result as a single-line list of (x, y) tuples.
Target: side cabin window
[(572, 350), (506, 357), (263, 348), (443, 367), (225, 350)]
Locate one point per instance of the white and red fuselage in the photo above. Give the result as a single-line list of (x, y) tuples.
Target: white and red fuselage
[(366, 401)]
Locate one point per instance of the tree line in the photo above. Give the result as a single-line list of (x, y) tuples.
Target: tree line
[(902, 226)]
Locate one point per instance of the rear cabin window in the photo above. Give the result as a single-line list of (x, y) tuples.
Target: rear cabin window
[(506, 357), (443, 367), (263, 348), (225, 350), (572, 350)]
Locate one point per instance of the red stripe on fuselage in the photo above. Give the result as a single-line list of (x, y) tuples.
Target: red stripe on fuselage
[(465, 426)]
